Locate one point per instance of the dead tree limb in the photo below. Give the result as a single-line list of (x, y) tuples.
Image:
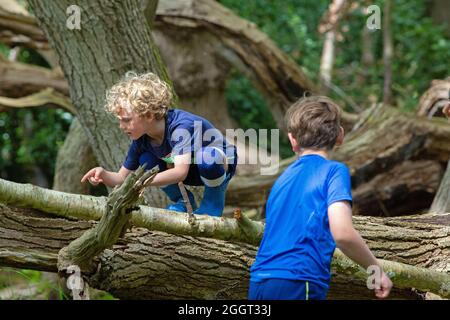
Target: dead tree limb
[(419, 240), (119, 205)]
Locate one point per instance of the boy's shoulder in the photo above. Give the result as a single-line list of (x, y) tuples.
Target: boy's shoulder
[(314, 168), (178, 115), (178, 118)]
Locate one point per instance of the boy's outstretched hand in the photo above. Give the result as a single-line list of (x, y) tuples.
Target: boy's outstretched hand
[(385, 287), (94, 176)]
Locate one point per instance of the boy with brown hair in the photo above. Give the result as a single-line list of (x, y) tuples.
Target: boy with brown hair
[(186, 147), (308, 213)]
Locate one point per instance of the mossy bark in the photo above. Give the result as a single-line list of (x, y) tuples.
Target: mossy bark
[(146, 264), (420, 241)]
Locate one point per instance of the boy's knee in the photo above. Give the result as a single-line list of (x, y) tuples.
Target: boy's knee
[(210, 163), (208, 157)]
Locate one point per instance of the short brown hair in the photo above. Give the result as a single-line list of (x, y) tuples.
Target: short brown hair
[(143, 94), (314, 122)]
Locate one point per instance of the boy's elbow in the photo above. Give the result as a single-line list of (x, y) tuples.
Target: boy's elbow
[(344, 237), (183, 173)]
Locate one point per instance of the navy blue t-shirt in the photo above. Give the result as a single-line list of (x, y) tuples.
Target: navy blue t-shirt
[(297, 243), (184, 133)]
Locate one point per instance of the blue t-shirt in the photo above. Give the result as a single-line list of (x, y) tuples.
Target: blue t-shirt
[(297, 243), (184, 133)]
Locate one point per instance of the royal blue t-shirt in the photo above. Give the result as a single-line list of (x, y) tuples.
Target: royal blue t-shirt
[(297, 243), (184, 133)]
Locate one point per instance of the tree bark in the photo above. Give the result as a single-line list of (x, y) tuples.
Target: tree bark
[(151, 264), (434, 99), (74, 159), (18, 28), (441, 202), (403, 190), (20, 79)]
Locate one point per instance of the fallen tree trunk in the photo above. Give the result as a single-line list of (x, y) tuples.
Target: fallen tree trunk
[(434, 99), (149, 261), (384, 139), (151, 264), (400, 191)]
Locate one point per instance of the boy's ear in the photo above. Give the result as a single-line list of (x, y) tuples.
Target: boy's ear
[(340, 138), (294, 143)]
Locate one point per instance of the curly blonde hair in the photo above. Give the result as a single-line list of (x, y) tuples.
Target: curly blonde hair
[(143, 94)]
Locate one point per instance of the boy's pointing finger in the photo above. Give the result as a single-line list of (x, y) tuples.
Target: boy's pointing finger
[(85, 176)]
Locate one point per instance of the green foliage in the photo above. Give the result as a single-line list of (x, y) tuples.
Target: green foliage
[(246, 105), (421, 54), (292, 24), (45, 289), (30, 137), (23, 278)]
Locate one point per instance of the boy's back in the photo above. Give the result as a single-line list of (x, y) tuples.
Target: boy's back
[(300, 245), (308, 213)]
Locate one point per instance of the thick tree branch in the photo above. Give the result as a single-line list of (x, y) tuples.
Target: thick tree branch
[(74, 206), (46, 96), (112, 224), (41, 237)]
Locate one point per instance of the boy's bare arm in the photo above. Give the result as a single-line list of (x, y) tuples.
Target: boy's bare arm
[(351, 243), (99, 175), (176, 174)]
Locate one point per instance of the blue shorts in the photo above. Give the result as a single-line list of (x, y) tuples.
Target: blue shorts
[(286, 289)]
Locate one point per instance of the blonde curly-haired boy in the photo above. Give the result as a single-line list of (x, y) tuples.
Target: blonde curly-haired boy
[(186, 147)]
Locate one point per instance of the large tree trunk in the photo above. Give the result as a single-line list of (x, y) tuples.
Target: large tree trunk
[(74, 159), (153, 264)]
